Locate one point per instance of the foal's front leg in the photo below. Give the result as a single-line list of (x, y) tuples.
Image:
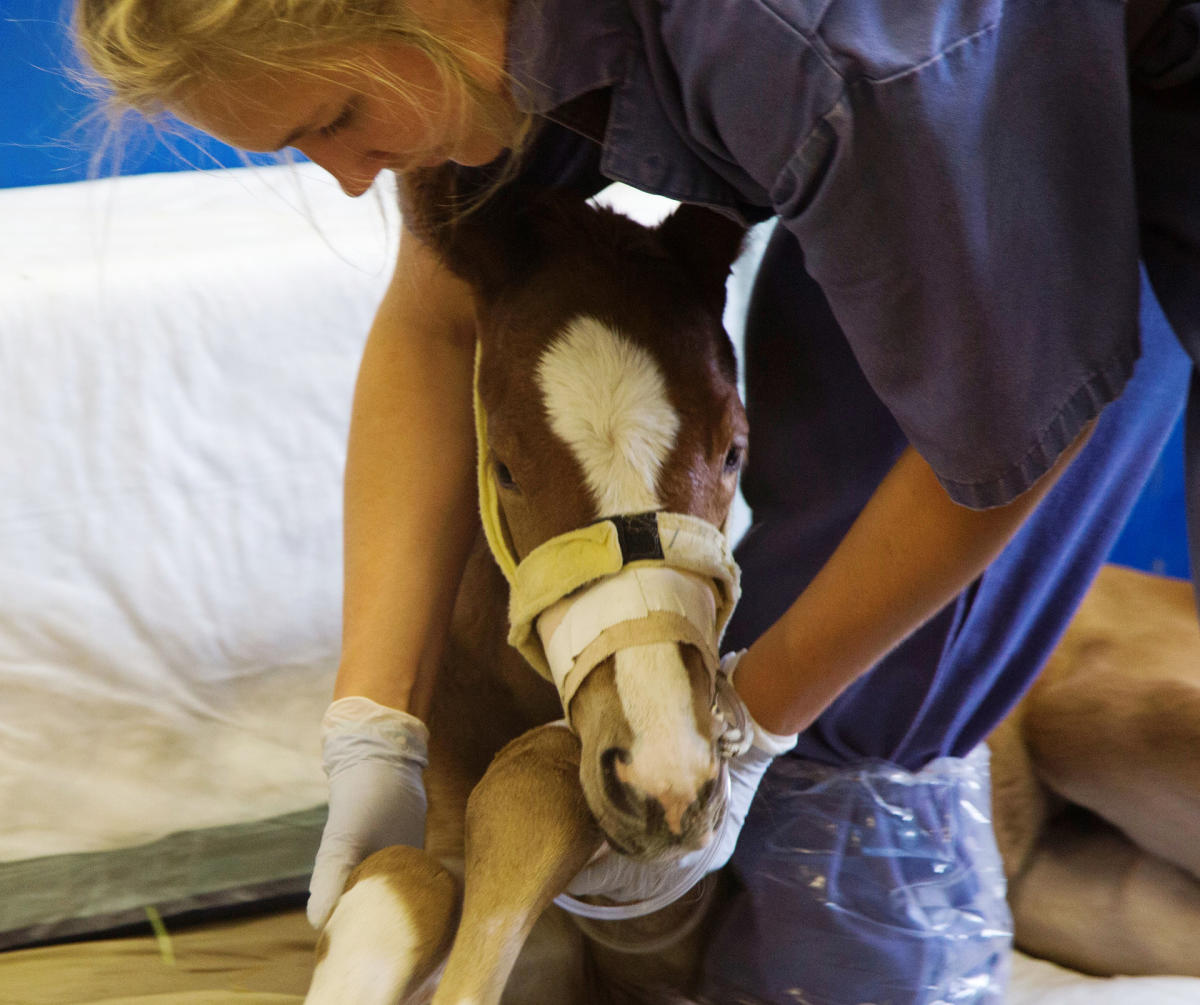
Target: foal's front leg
[(389, 932), (529, 831)]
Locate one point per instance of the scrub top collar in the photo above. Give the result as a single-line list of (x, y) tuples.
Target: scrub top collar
[(548, 72), (599, 45)]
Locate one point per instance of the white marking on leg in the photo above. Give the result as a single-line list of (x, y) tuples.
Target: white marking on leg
[(607, 400), (372, 948), (669, 760)]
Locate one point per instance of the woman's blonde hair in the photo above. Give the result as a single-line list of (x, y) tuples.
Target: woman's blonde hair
[(150, 52)]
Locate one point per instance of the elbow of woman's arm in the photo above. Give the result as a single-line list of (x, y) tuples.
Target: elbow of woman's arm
[(1020, 506)]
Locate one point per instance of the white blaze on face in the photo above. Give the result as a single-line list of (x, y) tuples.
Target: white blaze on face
[(606, 400), (669, 759)]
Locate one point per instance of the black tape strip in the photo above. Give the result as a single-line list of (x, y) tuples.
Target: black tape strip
[(637, 534)]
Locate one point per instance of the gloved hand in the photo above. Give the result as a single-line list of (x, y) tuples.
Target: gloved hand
[(373, 757), (628, 881)]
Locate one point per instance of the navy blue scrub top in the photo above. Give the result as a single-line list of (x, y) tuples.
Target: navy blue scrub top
[(928, 155), (960, 179)]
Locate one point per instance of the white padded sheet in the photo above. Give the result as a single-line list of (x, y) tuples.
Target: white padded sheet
[(177, 355), (1037, 982)]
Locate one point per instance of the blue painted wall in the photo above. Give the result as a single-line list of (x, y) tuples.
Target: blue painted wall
[(1155, 536), (50, 127), (45, 137)]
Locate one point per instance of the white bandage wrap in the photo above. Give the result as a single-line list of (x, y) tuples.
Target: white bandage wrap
[(570, 563), (570, 628)]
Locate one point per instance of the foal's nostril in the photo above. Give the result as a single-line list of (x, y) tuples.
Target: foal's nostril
[(615, 790)]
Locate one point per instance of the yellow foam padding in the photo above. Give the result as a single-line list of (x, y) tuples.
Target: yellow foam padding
[(568, 562), (489, 503), (552, 571), (695, 545)]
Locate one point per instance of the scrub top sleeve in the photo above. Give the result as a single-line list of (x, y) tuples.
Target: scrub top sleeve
[(971, 222)]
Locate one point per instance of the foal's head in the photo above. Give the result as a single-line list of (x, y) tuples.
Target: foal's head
[(608, 389)]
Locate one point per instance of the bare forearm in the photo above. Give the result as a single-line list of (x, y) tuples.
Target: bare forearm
[(910, 552), (410, 502)]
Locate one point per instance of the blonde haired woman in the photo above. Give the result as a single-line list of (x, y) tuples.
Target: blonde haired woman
[(950, 414)]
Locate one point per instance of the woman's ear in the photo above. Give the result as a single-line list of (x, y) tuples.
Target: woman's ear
[(706, 243), (486, 240)]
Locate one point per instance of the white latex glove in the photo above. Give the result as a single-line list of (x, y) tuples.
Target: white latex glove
[(374, 757), (659, 883)]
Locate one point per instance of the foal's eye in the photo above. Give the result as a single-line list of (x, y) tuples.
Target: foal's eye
[(504, 477), (734, 457)]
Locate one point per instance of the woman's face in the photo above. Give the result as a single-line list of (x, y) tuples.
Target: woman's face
[(349, 121)]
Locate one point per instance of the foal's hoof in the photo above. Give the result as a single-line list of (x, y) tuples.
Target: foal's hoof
[(389, 932)]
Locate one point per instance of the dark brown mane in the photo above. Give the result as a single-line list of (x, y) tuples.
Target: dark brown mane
[(605, 236)]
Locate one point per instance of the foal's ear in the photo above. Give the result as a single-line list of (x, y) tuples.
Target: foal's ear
[(707, 243), (486, 240)]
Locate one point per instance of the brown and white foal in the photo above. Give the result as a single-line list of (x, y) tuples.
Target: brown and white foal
[(611, 437)]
